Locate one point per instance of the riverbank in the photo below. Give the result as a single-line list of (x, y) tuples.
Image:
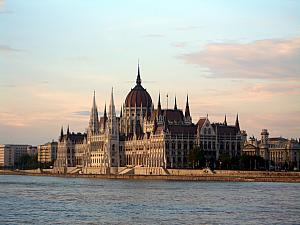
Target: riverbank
[(221, 176)]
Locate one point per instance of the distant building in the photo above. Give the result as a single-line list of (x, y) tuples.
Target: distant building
[(70, 149), (279, 152), (10, 154), (32, 150), (47, 152), (144, 136)]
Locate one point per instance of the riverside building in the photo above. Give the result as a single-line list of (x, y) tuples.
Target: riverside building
[(47, 152), (11, 153), (145, 136), (279, 152)]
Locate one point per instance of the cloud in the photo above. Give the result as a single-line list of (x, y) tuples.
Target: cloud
[(179, 44), (7, 49), (153, 36), (262, 59), (81, 113), (284, 88), (187, 28), (8, 85)]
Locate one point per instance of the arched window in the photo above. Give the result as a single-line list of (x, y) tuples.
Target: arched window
[(184, 145), (167, 145), (173, 145), (179, 145)]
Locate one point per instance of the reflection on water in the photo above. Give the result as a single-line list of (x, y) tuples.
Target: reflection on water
[(52, 200)]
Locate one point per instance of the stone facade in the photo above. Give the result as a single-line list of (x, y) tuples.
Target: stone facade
[(47, 152), (11, 153), (279, 152), (142, 136)]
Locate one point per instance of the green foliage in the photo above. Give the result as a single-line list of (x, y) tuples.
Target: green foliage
[(28, 162), (196, 158), (252, 162)]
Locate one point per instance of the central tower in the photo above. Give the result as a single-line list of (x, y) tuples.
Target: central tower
[(137, 107)]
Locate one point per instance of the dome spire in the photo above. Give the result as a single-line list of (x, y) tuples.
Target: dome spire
[(138, 79)]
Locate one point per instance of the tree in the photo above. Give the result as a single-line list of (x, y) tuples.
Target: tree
[(196, 157), (252, 162), (27, 161)]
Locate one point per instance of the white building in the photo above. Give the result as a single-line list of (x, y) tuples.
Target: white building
[(10, 154)]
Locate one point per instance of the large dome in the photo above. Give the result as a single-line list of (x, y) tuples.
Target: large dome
[(138, 95)]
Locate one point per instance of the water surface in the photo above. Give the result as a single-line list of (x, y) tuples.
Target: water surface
[(54, 200)]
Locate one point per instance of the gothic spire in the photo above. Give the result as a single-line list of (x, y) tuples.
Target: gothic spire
[(225, 121), (121, 113), (112, 111), (105, 114), (237, 123), (175, 105), (68, 130), (138, 79), (112, 115), (187, 107), (61, 133), (158, 105), (94, 121)]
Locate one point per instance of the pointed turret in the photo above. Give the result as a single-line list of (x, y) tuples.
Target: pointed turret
[(187, 108), (237, 123), (225, 121), (94, 120), (158, 106), (61, 133), (104, 113), (138, 79), (68, 130), (112, 115), (175, 104), (187, 115), (121, 113)]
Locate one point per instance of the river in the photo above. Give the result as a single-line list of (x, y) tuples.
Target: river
[(55, 200)]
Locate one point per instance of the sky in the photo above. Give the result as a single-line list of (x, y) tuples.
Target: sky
[(229, 56)]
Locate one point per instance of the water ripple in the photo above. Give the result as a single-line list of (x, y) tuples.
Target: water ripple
[(52, 200)]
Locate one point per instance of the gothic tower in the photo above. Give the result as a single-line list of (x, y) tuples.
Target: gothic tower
[(94, 120), (187, 115), (113, 157)]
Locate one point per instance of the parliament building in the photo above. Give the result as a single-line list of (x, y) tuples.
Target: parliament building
[(145, 136)]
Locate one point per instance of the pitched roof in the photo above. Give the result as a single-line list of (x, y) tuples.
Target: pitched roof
[(173, 115), (222, 129), (201, 122), (182, 129)]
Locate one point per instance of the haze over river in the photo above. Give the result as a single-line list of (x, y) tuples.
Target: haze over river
[(54, 200)]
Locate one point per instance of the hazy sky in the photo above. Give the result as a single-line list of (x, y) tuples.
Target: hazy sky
[(230, 56)]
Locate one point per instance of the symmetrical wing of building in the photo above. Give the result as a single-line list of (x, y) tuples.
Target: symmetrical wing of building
[(145, 136)]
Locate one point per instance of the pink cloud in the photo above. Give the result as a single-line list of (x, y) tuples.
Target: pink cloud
[(262, 59), (179, 44)]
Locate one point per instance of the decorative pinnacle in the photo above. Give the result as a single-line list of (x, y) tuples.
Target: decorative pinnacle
[(138, 79)]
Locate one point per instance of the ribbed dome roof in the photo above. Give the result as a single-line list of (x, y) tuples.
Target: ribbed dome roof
[(138, 95)]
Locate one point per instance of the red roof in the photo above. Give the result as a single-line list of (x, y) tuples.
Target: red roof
[(138, 96), (201, 122), (173, 115)]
